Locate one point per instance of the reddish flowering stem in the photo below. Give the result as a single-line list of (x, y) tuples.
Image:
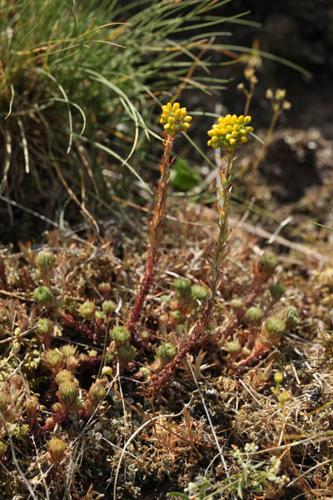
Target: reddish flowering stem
[(155, 234), (220, 251)]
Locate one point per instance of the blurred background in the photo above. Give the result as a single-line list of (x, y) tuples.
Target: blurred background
[(81, 87)]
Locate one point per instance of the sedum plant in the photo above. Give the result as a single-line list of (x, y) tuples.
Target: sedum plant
[(230, 132), (175, 120)]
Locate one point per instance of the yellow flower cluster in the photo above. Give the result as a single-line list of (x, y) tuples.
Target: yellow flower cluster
[(229, 132), (175, 118)]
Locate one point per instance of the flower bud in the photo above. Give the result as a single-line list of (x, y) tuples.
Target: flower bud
[(275, 326), (43, 327), (87, 310), (126, 353), (68, 392), (291, 317), (280, 94), (254, 315), (120, 334), (269, 94), (53, 359), (56, 448), (32, 406), (278, 378), (277, 290), (104, 288), (232, 347), (57, 408), (107, 370), (229, 132), (108, 307), (183, 288), (68, 350), (96, 393), (267, 263), (72, 363), (199, 292), (175, 119), (43, 295), (166, 352), (145, 371), (284, 397), (64, 376), (49, 424), (236, 304), (45, 261)]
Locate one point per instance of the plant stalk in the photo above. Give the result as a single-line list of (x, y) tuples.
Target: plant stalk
[(155, 234), (224, 186)]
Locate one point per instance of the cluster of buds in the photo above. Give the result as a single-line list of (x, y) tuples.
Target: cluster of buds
[(43, 296), (58, 359), (120, 345), (265, 267), (175, 119), (278, 100), (188, 295), (252, 80), (87, 310), (45, 261), (165, 353), (68, 393), (6, 406), (56, 450), (229, 132), (44, 330), (95, 396), (250, 75)]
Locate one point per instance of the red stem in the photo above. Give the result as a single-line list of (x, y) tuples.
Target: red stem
[(155, 234)]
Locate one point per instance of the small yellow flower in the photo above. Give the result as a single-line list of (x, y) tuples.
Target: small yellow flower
[(175, 119), (229, 132)]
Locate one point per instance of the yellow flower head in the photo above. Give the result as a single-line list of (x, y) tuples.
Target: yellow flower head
[(175, 118), (229, 132)]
